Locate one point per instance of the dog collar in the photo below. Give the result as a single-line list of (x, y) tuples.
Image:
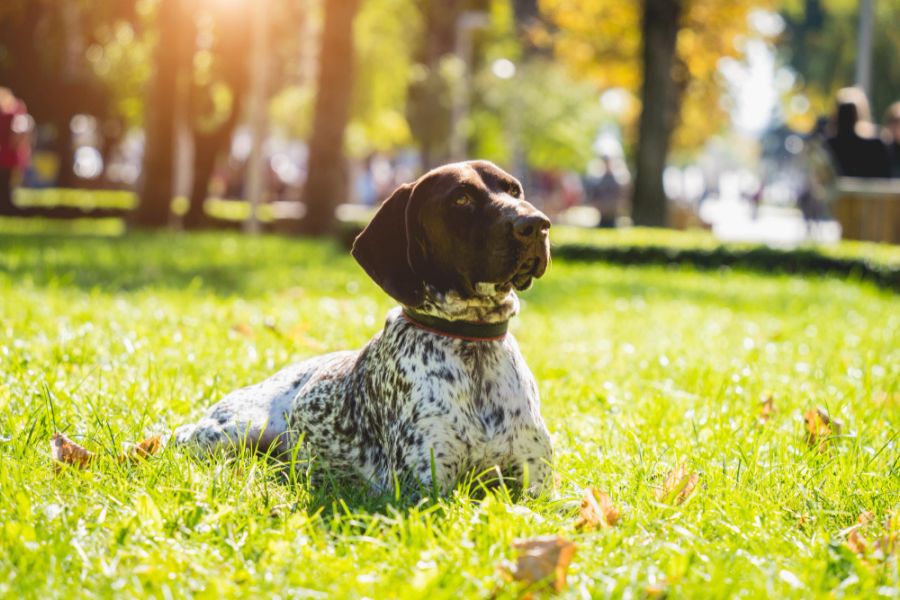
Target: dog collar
[(472, 331)]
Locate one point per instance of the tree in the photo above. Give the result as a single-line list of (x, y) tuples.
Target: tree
[(158, 173), (218, 87), (603, 39), (326, 182), (659, 30), (428, 109), (41, 60)]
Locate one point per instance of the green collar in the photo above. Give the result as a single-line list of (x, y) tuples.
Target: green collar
[(473, 331)]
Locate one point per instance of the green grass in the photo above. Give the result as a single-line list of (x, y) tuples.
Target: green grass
[(110, 339)]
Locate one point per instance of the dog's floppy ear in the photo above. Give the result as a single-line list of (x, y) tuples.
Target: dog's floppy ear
[(382, 249)]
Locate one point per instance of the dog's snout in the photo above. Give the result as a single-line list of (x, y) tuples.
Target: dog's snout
[(531, 226)]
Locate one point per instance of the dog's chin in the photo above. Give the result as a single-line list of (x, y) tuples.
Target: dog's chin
[(528, 271), (522, 281)]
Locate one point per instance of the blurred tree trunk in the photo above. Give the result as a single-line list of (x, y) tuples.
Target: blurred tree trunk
[(659, 30), (326, 183), (158, 173), (42, 73), (428, 107), (211, 133)]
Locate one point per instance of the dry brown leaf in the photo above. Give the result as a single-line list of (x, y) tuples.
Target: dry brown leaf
[(142, 450), (820, 428), (856, 542), (243, 329), (596, 511), (67, 452), (657, 590), (678, 486), (541, 560), (766, 409)]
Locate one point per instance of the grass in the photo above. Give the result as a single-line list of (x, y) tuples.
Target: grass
[(110, 339)]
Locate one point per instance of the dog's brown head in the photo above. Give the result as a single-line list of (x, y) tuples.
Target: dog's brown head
[(456, 228)]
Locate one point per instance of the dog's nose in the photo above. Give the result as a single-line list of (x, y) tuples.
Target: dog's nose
[(531, 226)]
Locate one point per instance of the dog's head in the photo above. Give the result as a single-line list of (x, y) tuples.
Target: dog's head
[(462, 227)]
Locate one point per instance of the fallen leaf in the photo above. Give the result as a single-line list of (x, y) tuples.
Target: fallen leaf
[(142, 450), (596, 510), (657, 590), (865, 517), (678, 486), (243, 329), (889, 542), (541, 560), (820, 428), (856, 542), (67, 452), (766, 409)]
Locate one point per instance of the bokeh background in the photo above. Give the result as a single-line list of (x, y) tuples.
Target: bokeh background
[(275, 113)]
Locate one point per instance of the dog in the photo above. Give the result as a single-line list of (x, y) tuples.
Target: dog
[(442, 391)]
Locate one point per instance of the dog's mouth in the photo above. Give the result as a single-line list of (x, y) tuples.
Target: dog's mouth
[(526, 274), (522, 279)]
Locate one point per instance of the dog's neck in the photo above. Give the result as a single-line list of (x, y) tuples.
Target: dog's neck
[(490, 307)]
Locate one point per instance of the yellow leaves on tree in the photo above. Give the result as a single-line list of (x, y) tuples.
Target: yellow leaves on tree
[(601, 39), (542, 562)]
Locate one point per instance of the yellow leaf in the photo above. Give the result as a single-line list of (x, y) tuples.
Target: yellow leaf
[(678, 486), (856, 542), (596, 510), (766, 409), (820, 428), (142, 450), (541, 562)]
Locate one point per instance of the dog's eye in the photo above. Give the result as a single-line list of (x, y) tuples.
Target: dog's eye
[(513, 190), (462, 201)]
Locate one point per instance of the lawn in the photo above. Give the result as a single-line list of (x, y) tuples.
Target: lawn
[(111, 339)]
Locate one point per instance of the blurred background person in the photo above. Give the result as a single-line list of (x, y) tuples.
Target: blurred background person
[(818, 177), (605, 188), (856, 150), (892, 135), (14, 145)]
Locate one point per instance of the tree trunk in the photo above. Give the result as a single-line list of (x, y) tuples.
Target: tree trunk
[(660, 29), (206, 150), (428, 107), (158, 174), (325, 184), (230, 50)]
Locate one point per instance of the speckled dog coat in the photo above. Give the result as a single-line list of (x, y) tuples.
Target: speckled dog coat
[(442, 391)]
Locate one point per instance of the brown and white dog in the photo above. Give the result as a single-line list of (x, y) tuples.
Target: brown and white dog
[(442, 391)]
